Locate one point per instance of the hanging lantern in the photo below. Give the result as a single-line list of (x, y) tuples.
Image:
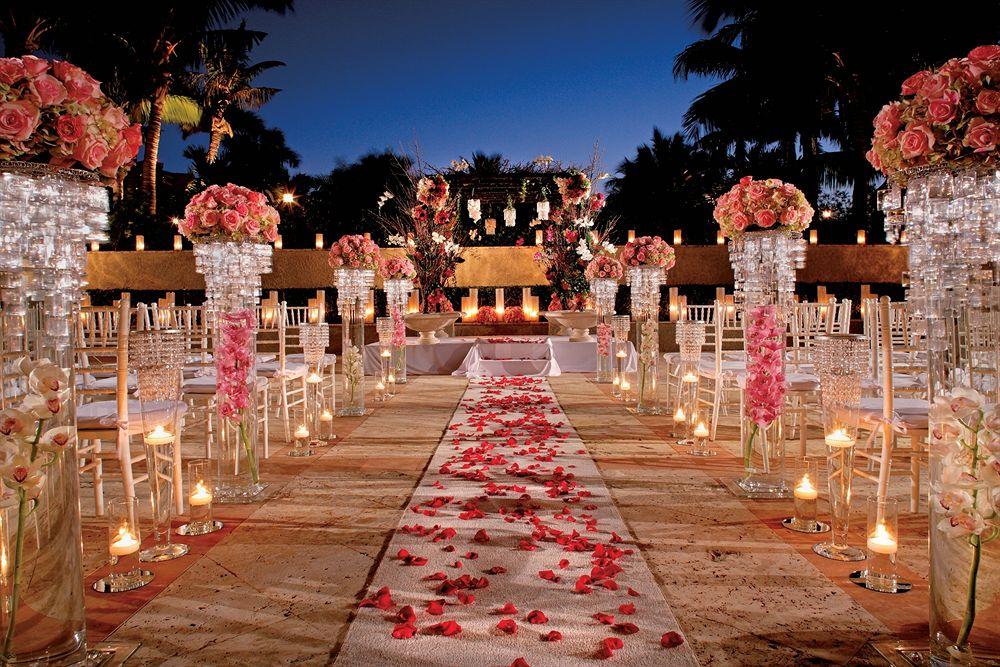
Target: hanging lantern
[(510, 216), (491, 226), (542, 209), (475, 210)]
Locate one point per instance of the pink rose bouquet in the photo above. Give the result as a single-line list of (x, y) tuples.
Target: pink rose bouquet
[(487, 315), (949, 115), (54, 112), (604, 267), (229, 213), (398, 268), (574, 188), (754, 205), (354, 251), (648, 251), (513, 315)]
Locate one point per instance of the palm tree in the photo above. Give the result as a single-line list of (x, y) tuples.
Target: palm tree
[(227, 80)]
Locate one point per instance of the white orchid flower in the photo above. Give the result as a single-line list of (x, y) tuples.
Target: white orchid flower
[(16, 423), (953, 502), (48, 381), (26, 475), (58, 439), (25, 365), (962, 525), (42, 407)]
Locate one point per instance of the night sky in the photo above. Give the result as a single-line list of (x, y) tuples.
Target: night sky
[(521, 77)]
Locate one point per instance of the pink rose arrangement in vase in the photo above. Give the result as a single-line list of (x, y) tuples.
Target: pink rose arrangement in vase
[(398, 268), (604, 272), (398, 274), (605, 267), (945, 116), (54, 112), (760, 205), (229, 213), (575, 188), (648, 251), (354, 251)]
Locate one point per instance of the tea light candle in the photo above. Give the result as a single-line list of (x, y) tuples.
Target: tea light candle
[(386, 353), (839, 438), (805, 490), (689, 377), (326, 416), (125, 543), (380, 386), (159, 436), (679, 416), (200, 495), (881, 541), (701, 431), (626, 388), (620, 354), (301, 433), (314, 378)]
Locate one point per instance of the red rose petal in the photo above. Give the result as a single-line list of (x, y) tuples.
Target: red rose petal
[(553, 636), (446, 628), (508, 608), (627, 609), (563, 564), (634, 593), (435, 607), (403, 631), (606, 619), (507, 626), (536, 617), (497, 569), (613, 643), (548, 575), (482, 537), (627, 628), (406, 614), (671, 639), (520, 662)]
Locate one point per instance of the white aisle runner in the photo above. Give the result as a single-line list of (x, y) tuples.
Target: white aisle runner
[(512, 552)]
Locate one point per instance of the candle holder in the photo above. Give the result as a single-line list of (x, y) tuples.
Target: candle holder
[(158, 359), (700, 443), (123, 547), (840, 363), (301, 442), (200, 486), (805, 494), (604, 291), (620, 324), (385, 326), (883, 543), (352, 292), (396, 293), (314, 338), (686, 405), (325, 432), (644, 283)]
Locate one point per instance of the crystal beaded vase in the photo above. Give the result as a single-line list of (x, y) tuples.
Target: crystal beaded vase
[(644, 282), (46, 218), (397, 293), (690, 338), (604, 292), (950, 220), (232, 273), (314, 338), (352, 292), (620, 325), (764, 264)]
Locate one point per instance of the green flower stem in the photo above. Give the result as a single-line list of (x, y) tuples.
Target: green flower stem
[(748, 446), (977, 548), (22, 515), (251, 460)]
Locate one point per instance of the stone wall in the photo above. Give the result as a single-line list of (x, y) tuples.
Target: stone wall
[(487, 267)]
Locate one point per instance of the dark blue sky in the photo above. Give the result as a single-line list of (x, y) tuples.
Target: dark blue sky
[(521, 77)]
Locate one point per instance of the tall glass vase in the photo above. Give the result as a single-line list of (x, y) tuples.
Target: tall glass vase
[(46, 217), (232, 273), (645, 282), (604, 291), (764, 264), (352, 292), (950, 223), (397, 294)]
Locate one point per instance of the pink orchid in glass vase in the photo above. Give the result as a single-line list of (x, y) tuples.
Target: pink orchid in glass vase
[(355, 260), (763, 220), (397, 279), (231, 228), (937, 145)]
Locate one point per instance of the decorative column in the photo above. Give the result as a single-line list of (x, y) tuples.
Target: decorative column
[(604, 272)]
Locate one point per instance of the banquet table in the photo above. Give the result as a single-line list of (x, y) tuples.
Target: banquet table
[(449, 354)]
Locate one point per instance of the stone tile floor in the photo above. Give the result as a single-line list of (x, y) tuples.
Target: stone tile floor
[(279, 584)]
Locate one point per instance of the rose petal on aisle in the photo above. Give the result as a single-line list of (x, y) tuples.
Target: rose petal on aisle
[(513, 483)]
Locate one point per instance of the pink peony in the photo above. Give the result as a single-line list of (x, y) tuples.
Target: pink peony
[(916, 141), (981, 135), (18, 119)]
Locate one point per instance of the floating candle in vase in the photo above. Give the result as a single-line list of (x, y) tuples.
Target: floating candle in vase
[(805, 495), (124, 543), (200, 495), (159, 436), (302, 442), (883, 524), (839, 438), (700, 446)]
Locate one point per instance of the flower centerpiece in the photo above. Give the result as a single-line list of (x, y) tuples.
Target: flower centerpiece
[(939, 142), (426, 229), (230, 227), (354, 259), (604, 273), (648, 258), (61, 140), (763, 220), (570, 239), (398, 274)]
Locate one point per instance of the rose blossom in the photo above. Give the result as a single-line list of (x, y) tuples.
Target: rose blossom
[(988, 102), (18, 119), (47, 90), (11, 70), (33, 66), (251, 226), (916, 141), (934, 86), (741, 221), (888, 121), (764, 217), (230, 221), (90, 152), (943, 109), (914, 82), (981, 135), (69, 128)]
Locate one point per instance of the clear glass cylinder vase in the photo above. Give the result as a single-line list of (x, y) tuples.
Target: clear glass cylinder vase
[(604, 292), (764, 264), (644, 283), (397, 294), (352, 292), (232, 273), (46, 217), (951, 220)]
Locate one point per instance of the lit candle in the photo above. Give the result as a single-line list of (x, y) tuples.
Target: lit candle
[(720, 239), (813, 237), (620, 354), (689, 377), (881, 541), (301, 433), (701, 431), (861, 237), (319, 242), (314, 378), (277, 242), (805, 490), (386, 353), (125, 543), (326, 416), (679, 416), (200, 495), (140, 242), (380, 387), (95, 246), (677, 237), (631, 235), (178, 242), (805, 495), (839, 438), (159, 436)]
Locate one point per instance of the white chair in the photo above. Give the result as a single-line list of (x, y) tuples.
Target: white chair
[(287, 379), (719, 374)]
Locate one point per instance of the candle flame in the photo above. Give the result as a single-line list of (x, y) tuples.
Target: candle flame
[(690, 377), (805, 484), (881, 533), (679, 415)]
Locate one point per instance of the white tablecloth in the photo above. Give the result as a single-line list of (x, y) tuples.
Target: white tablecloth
[(510, 355), (448, 355)]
